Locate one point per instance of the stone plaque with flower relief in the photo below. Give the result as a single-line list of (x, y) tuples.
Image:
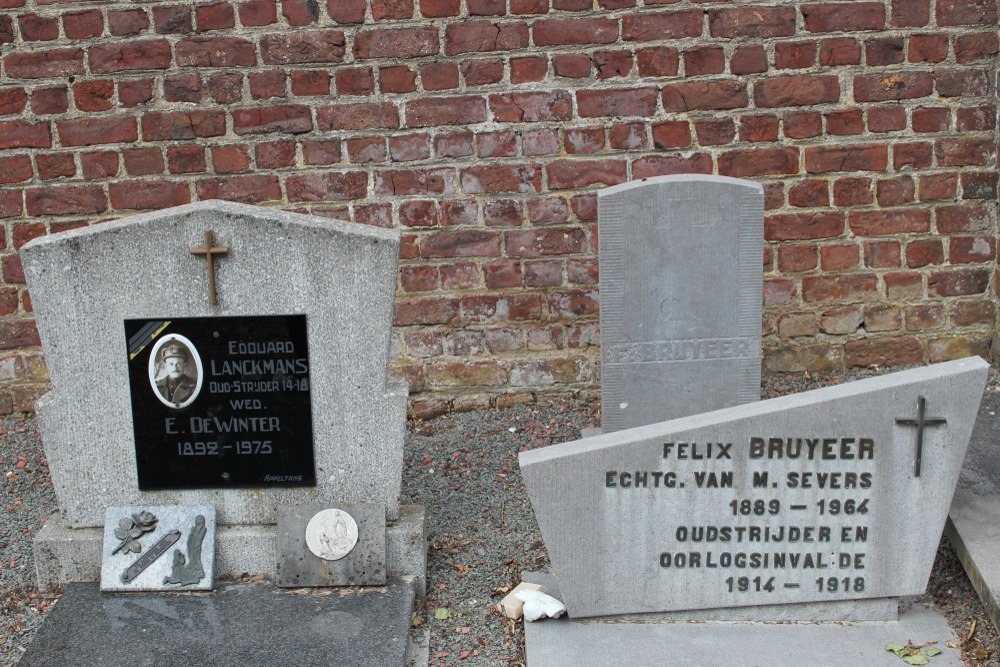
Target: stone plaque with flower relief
[(158, 548)]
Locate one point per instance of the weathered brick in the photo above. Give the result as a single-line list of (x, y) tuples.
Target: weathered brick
[(83, 25), (980, 185), (396, 43), (584, 140), (823, 159), (843, 287), (895, 191), (545, 241), (839, 51), (572, 65), (425, 310), (887, 222), (795, 258), (968, 313), (759, 162), (971, 249), (910, 13), (376, 115), (99, 164), (883, 255), (502, 178), (90, 131), (532, 107), (702, 95), (963, 152), (810, 193), (916, 155), (439, 76), (478, 36), (180, 125), (288, 118), (215, 52), (262, 12), (94, 95), (804, 90), (15, 169), (886, 119), (486, 373), (563, 174), (460, 243), (142, 195), (129, 55), (503, 213), (894, 86), (173, 20), (884, 51), (966, 12), (214, 16), (249, 189), (409, 147), (556, 32), (662, 165), (844, 16), (55, 165), (616, 102), (326, 186), (795, 55), (839, 257), (883, 352), (433, 111), (24, 134), (415, 181), (44, 64), (65, 200), (937, 186), (649, 27), (303, 46), (528, 69), (801, 226), (756, 22), (957, 282), (657, 61), (928, 48), (962, 81), (962, 218)]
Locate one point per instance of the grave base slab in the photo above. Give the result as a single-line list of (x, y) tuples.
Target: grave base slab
[(974, 520), (564, 642), (239, 624), (65, 555)]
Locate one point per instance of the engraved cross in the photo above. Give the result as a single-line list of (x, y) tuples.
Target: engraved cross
[(209, 250), (920, 422)]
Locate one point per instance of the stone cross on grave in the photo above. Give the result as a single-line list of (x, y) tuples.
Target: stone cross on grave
[(208, 250), (920, 422)]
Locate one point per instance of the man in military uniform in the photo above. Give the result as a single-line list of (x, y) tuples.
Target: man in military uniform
[(175, 385)]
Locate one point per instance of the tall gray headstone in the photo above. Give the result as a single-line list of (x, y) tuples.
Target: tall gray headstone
[(835, 494), (681, 282), (88, 282)]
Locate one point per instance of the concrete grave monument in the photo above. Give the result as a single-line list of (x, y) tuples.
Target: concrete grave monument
[(680, 297), (834, 494), (279, 324)]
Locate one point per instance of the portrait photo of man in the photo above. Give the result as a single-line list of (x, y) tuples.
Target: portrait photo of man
[(175, 372)]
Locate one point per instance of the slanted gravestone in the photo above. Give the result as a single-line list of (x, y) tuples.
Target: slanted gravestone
[(824, 505), (218, 354), (680, 297)]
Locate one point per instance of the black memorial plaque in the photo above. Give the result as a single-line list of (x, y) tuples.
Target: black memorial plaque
[(221, 402)]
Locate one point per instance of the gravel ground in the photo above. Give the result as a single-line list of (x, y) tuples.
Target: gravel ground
[(463, 469)]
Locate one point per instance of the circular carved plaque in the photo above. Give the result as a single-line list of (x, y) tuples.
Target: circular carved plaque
[(331, 534)]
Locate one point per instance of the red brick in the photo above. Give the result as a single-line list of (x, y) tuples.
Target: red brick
[(956, 282), (661, 165), (657, 61), (962, 152), (503, 274), (15, 169), (756, 22), (261, 12), (794, 55), (172, 20), (758, 128), (55, 165), (529, 6), (143, 161), (556, 32), (839, 51), (392, 10), (66, 200), (143, 195), (477, 36), (804, 125), (971, 249), (616, 102), (363, 150), (972, 119), (81, 25), (484, 72), (251, 189), (543, 141), (97, 130), (839, 257), (215, 16), (884, 51), (895, 191), (12, 101), (962, 218), (180, 125), (127, 22), (459, 276), (419, 213), (845, 16), (101, 164), (564, 174), (396, 43), (397, 79), (327, 186), (409, 147), (928, 48), (215, 52), (886, 119), (502, 178), (967, 313), (434, 9), (894, 86), (883, 352), (572, 5), (16, 334), (503, 213), (802, 226), (843, 288), (184, 87), (882, 255), (459, 212), (425, 310), (355, 81), (130, 55), (811, 193), (439, 76), (802, 90), (496, 144), (186, 159), (303, 46), (304, 12), (227, 159), (24, 232), (748, 59), (852, 192), (573, 303), (346, 11), (956, 82), (418, 278), (759, 162), (910, 13), (532, 107), (543, 273), (571, 65), (938, 186), (288, 118), (583, 140), (487, 7), (44, 64), (612, 64), (460, 243), (628, 136), (381, 115), (916, 155), (846, 158), (24, 134), (94, 95), (845, 123), (134, 93), (6, 29), (548, 210), (699, 95), (415, 181), (35, 28), (433, 111), (881, 223), (705, 60), (966, 12), (979, 185), (925, 252), (528, 69), (545, 241), (310, 82), (650, 27), (457, 144), (797, 258), (374, 215)]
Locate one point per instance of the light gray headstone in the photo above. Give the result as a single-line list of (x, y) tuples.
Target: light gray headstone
[(84, 283), (810, 497), (363, 559), (681, 284), (158, 548)]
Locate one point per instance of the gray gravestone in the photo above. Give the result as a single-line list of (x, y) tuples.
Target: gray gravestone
[(158, 548), (153, 268), (681, 284), (830, 495)]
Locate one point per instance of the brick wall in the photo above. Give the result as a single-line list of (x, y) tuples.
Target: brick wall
[(482, 128)]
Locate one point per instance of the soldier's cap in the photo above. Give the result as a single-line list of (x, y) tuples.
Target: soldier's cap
[(173, 350)]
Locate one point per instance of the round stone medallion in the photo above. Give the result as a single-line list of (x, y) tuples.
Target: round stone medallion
[(331, 534)]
